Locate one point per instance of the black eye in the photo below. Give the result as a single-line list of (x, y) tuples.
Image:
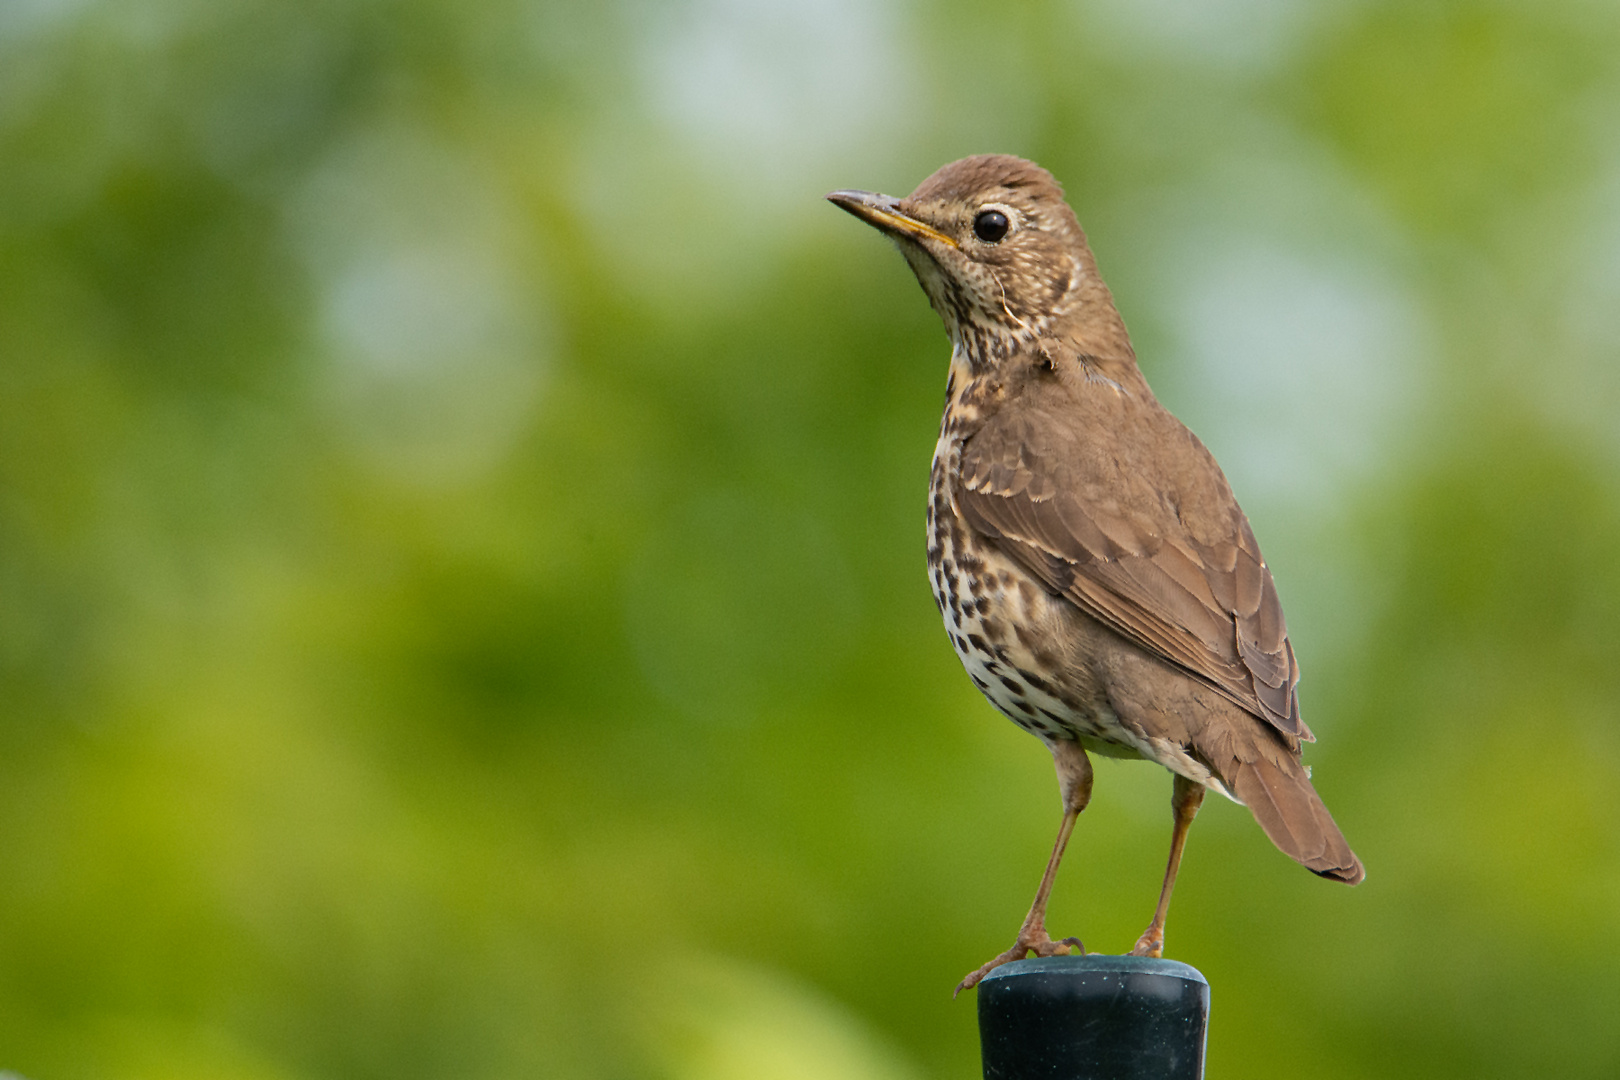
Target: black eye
[(990, 226)]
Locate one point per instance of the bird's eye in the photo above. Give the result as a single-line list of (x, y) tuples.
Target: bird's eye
[(990, 226)]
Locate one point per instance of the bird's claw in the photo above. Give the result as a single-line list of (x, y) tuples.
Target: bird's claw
[(1151, 943), (1030, 940)]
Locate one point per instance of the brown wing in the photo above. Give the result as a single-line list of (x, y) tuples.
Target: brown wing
[(1146, 538)]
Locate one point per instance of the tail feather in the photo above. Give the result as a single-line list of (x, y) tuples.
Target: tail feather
[(1280, 795)]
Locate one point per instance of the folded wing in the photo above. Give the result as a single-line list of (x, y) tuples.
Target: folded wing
[(1110, 535)]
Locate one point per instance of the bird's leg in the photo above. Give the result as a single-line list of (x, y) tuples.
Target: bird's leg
[(1185, 798), (1074, 780)]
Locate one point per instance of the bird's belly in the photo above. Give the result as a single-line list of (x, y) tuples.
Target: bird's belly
[(1019, 645)]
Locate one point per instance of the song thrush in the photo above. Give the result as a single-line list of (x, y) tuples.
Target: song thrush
[(1098, 580)]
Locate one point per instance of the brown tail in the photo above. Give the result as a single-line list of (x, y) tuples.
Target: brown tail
[(1281, 797)]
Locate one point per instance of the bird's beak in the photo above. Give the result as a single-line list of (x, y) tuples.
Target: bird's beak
[(883, 212)]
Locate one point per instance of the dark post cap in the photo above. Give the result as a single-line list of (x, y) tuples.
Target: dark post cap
[(1093, 1018)]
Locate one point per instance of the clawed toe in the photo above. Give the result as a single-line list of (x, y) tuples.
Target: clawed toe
[(1149, 944), (1066, 947), (1029, 941)]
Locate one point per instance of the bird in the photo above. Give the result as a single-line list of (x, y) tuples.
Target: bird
[(1095, 574)]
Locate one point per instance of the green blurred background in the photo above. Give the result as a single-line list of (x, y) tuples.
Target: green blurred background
[(462, 610)]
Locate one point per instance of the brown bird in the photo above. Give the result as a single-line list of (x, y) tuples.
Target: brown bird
[(1098, 580)]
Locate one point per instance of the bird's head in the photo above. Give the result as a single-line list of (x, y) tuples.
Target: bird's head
[(996, 248)]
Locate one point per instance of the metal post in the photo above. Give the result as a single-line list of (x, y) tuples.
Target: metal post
[(1093, 1018)]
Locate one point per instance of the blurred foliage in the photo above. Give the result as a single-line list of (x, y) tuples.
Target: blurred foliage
[(461, 602)]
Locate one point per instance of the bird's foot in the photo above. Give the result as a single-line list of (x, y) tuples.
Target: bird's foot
[(1151, 943), (1031, 939)]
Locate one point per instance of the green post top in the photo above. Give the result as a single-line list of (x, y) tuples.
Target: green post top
[(1099, 962), (1093, 1017)]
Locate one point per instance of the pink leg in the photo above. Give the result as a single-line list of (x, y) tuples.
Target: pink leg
[(1185, 799), (1074, 779)]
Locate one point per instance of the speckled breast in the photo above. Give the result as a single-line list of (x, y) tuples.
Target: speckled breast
[(1008, 631)]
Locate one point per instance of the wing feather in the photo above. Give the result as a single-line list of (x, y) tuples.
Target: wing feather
[(1115, 544)]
